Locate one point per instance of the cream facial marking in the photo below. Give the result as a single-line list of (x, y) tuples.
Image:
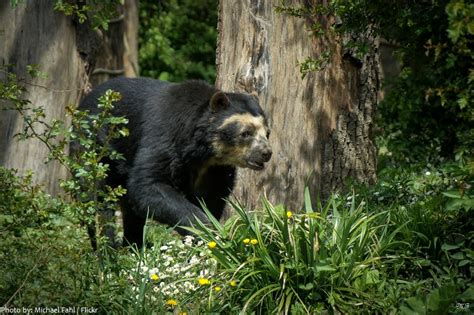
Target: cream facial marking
[(244, 142), (247, 119)]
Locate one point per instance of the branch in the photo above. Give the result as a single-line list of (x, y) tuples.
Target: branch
[(108, 71)]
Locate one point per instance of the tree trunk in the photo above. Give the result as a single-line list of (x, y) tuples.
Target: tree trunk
[(321, 125), (68, 52), (131, 24)]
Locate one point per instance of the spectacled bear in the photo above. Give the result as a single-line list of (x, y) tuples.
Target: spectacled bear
[(185, 143)]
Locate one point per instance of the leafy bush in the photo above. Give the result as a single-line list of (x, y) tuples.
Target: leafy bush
[(24, 205), (32, 227), (428, 105), (47, 259), (88, 164), (433, 205)]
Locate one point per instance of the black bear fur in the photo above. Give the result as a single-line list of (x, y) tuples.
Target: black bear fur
[(170, 157)]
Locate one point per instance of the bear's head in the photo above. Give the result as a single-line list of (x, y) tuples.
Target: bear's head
[(240, 131)]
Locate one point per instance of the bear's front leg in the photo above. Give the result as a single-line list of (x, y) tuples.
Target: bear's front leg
[(163, 203), (151, 198)]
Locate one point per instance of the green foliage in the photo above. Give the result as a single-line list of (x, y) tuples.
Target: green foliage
[(311, 262), (14, 3), (429, 105), (177, 39), (427, 118), (310, 64), (434, 206), (99, 12), (47, 260), (46, 257), (32, 227), (88, 166), (24, 205), (407, 248), (344, 257)]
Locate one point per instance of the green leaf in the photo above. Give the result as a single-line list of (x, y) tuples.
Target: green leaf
[(457, 204), (447, 247), (463, 263), (458, 256), (414, 305), (452, 194), (470, 27), (321, 268), (372, 277), (307, 201), (124, 132), (14, 3), (468, 295), (440, 299), (307, 286)]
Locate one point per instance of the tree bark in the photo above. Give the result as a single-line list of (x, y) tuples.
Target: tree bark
[(68, 52), (321, 125), (131, 24), (32, 33)]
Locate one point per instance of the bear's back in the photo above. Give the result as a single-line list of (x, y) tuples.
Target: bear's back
[(159, 113), (135, 94)]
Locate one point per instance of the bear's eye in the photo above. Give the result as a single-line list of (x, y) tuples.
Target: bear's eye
[(268, 134), (246, 134)]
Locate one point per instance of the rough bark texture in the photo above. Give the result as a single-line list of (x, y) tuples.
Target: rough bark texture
[(130, 56), (321, 125), (33, 33)]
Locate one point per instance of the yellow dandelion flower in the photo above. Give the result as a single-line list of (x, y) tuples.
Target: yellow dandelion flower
[(289, 214), (253, 242), (182, 313), (212, 245), (204, 281), (171, 302), (233, 283), (154, 277), (217, 289), (247, 240)]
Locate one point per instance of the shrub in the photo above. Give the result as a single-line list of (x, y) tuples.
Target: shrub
[(88, 165), (433, 205)]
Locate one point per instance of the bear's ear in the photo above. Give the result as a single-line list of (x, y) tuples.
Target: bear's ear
[(219, 101)]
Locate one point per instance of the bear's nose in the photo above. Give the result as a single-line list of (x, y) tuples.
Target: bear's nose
[(267, 154)]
